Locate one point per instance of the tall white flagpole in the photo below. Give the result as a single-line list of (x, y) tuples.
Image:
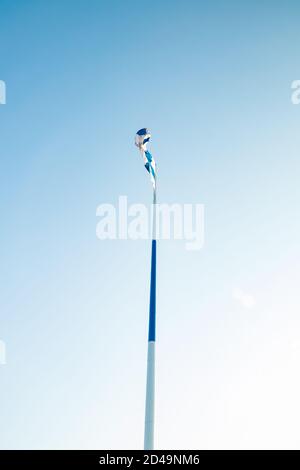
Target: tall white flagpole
[(150, 387)]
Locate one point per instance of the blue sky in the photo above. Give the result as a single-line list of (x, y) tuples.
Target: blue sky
[(212, 80)]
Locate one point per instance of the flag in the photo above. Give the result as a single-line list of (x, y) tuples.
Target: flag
[(142, 137)]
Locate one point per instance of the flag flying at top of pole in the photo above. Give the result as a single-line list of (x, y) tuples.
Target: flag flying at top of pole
[(142, 137)]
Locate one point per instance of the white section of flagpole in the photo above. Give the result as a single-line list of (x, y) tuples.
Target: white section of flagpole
[(150, 387), (154, 211), (150, 398)]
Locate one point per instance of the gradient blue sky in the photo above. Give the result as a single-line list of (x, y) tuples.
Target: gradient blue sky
[(212, 81)]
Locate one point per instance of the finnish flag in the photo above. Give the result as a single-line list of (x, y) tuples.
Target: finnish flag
[(142, 137)]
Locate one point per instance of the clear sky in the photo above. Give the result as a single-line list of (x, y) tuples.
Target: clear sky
[(212, 80)]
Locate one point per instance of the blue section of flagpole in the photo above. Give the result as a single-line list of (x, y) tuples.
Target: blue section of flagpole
[(152, 308)]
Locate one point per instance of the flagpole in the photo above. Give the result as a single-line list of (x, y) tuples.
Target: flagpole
[(150, 387)]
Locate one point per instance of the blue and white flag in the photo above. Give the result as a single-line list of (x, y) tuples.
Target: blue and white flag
[(142, 137)]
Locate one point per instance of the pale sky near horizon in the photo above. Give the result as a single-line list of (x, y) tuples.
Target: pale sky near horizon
[(212, 80)]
